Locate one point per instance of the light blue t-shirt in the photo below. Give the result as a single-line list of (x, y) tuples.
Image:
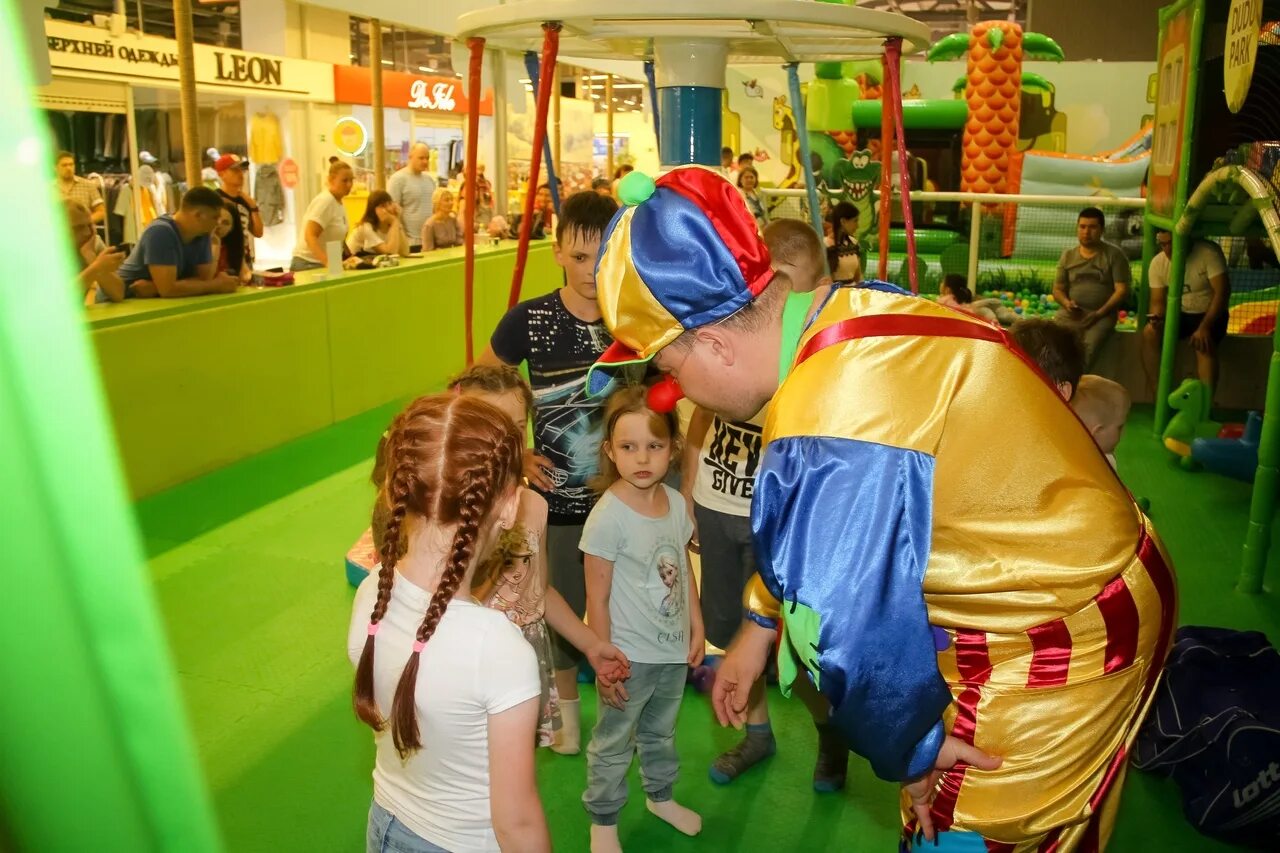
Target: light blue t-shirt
[(649, 599)]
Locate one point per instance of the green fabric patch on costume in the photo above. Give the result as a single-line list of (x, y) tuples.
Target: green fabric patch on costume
[(800, 631)]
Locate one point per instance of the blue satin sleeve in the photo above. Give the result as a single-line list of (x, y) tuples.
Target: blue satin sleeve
[(842, 527)]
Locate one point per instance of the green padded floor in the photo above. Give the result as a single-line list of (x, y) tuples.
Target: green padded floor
[(248, 564)]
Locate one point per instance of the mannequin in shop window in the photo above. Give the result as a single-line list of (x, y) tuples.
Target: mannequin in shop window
[(98, 277), (441, 229), (379, 231)]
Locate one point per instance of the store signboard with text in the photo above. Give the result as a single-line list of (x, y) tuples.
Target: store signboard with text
[(141, 59), (354, 85)]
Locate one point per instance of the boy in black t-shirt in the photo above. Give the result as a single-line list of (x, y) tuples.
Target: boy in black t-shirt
[(560, 336)]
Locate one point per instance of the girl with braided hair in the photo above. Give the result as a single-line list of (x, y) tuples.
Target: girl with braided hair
[(449, 686)]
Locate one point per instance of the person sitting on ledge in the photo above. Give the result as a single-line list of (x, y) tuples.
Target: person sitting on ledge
[(441, 230), (174, 257), (99, 278)]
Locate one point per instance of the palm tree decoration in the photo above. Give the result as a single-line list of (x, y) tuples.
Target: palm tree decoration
[(993, 90)]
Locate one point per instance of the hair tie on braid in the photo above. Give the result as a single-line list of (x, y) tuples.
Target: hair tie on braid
[(418, 646), (373, 628)]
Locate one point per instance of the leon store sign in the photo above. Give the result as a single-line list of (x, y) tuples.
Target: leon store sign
[(142, 59), (354, 85)]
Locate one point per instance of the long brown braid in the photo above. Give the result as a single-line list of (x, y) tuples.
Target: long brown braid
[(496, 380), (448, 461)]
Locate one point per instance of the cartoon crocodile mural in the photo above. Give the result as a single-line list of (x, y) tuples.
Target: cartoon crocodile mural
[(841, 178)]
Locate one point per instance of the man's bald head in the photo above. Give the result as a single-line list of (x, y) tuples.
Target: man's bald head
[(419, 157)]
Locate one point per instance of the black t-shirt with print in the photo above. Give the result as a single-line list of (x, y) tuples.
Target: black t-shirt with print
[(239, 241), (559, 348)]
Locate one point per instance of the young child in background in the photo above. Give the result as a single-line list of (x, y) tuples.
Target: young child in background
[(514, 578), (559, 336), (1057, 348), (1103, 407), (432, 665), (641, 596), (954, 293), (795, 249)]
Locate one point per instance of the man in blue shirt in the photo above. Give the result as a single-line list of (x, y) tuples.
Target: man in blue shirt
[(173, 256)]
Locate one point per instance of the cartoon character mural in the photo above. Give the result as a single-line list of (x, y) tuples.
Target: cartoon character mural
[(784, 121), (841, 178), (1040, 126)]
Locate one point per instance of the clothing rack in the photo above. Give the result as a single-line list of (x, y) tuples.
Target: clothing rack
[(111, 184)]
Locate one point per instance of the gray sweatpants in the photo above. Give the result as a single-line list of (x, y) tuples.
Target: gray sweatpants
[(646, 725)]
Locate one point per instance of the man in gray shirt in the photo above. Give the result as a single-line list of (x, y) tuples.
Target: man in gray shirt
[(412, 188), (1092, 282)]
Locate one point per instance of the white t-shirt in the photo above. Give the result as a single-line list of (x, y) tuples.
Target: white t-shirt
[(477, 663), (1204, 262), (728, 463), (329, 213), (365, 239)]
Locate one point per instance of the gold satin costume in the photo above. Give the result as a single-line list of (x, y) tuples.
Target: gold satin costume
[(1055, 595)]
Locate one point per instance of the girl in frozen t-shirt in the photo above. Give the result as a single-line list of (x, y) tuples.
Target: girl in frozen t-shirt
[(637, 571)]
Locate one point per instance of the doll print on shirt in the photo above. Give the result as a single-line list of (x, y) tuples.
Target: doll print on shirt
[(667, 591), (516, 592)]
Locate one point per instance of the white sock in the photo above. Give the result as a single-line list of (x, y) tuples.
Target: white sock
[(686, 820), (569, 738), (604, 839)]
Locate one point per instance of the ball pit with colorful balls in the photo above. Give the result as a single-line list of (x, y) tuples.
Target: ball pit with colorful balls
[(1025, 303)]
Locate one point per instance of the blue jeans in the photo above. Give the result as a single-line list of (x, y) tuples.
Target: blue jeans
[(388, 835), (646, 725)]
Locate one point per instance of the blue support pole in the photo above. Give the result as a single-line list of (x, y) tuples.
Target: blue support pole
[(691, 130), (653, 98), (802, 130), (531, 66)]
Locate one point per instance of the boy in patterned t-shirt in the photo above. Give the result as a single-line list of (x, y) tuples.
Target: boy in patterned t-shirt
[(559, 336)]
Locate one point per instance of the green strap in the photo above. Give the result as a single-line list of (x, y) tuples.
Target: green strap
[(794, 316)]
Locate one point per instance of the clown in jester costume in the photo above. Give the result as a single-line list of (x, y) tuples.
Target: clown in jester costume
[(957, 616)]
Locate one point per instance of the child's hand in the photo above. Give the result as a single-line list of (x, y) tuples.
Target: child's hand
[(610, 664), (537, 470), (697, 643), (613, 695)]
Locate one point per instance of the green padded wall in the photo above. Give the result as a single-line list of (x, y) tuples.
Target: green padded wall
[(196, 384)]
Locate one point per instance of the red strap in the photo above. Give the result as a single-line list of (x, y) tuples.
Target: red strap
[(893, 325), (919, 325)]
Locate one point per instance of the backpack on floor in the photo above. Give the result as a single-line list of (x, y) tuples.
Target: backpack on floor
[(1214, 729)]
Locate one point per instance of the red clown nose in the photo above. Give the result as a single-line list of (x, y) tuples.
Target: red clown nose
[(664, 394)]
